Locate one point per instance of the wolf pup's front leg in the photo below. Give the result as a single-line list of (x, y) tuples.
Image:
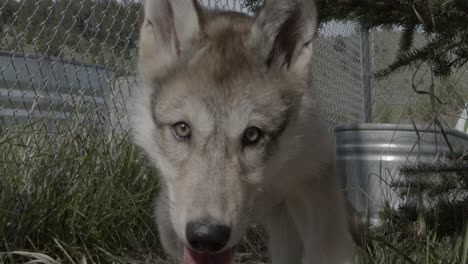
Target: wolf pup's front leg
[(284, 242), (318, 213)]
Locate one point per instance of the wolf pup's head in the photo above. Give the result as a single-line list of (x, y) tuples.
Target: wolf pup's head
[(220, 90)]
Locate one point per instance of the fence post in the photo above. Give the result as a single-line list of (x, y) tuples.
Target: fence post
[(366, 74)]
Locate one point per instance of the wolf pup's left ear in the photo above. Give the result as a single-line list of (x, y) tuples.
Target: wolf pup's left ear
[(282, 33), (169, 30)]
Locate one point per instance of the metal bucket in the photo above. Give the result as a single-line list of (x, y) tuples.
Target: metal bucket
[(369, 157)]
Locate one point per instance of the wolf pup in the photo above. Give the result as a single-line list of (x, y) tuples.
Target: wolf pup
[(225, 113)]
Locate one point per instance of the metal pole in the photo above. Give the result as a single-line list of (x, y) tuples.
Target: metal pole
[(366, 74)]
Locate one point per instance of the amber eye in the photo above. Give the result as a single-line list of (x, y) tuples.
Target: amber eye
[(181, 131), (252, 136)]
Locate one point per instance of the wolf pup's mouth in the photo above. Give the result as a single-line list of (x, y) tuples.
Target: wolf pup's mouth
[(193, 257)]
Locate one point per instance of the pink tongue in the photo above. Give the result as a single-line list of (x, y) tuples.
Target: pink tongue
[(192, 257)]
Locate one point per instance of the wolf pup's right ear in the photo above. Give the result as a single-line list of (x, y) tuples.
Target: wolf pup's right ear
[(169, 31)]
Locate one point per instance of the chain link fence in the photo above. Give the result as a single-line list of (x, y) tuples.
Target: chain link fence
[(341, 73), (61, 60), (70, 64)]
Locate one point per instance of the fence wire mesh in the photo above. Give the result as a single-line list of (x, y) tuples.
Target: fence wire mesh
[(339, 73), (67, 64)]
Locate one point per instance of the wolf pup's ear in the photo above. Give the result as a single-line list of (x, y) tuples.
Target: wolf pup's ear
[(169, 29), (282, 33)]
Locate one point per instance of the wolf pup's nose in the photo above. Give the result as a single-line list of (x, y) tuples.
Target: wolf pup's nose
[(206, 236)]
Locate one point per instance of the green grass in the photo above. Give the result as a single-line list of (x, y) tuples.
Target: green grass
[(83, 197), (75, 196), (405, 243)]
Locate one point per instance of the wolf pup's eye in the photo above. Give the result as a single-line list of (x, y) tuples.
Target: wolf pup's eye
[(252, 136), (181, 131)]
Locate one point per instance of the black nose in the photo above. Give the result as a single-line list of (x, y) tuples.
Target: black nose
[(206, 236)]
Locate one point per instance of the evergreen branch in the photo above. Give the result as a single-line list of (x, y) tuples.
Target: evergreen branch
[(421, 168), (434, 52), (443, 21)]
